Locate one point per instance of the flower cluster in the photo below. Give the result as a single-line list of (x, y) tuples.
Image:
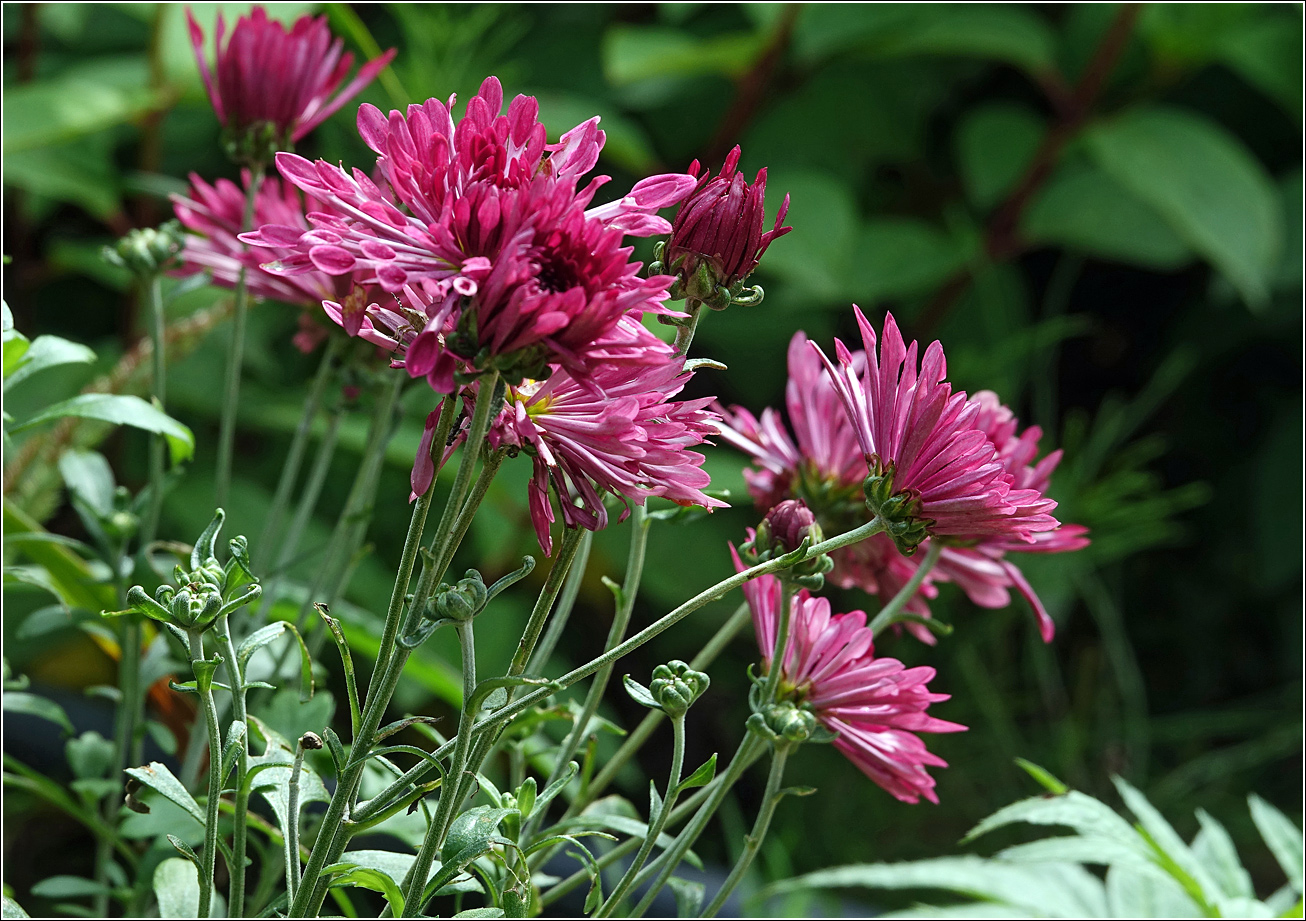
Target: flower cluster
[(876, 705), (272, 87), (489, 243)]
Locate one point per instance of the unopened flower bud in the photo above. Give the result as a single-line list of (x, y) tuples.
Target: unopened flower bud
[(462, 601), (148, 250), (783, 723), (786, 526), (675, 686), (310, 741), (717, 239)]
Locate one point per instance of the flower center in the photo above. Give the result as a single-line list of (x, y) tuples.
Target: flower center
[(524, 392)]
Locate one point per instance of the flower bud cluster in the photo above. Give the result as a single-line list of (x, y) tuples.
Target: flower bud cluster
[(148, 250), (197, 597), (675, 686), (461, 601), (783, 723)]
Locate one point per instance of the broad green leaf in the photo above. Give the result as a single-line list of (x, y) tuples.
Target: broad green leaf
[(1214, 849), (158, 777), (50, 112), (272, 781), (1144, 890), (1266, 52), (1054, 890), (121, 409), (177, 887), (1282, 836), (897, 257), (640, 694), (995, 145), (90, 755), (47, 352), (89, 477), (1204, 182), (396, 866), (11, 909), (1015, 36), (81, 173), (376, 881), (1090, 849), (821, 252), (471, 834), (1082, 208), (35, 705), (67, 887)]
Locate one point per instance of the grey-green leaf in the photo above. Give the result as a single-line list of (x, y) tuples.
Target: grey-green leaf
[(158, 777), (35, 705), (1282, 836), (1215, 851), (121, 409)]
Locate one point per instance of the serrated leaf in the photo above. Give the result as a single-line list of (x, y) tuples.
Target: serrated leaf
[(1215, 851), (120, 409), (11, 909), (1075, 810), (1143, 890), (1089, 849), (1282, 837), (1167, 841)]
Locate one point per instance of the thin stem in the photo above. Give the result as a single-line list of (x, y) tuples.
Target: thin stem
[(210, 852), (656, 823), (292, 830), (708, 595), (685, 333), (158, 443), (665, 865), (298, 444), (639, 735), (544, 603), (889, 613), (235, 356), (770, 799), (450, 797), (129, 702), (781, 648), (236, 893), (566, 601)]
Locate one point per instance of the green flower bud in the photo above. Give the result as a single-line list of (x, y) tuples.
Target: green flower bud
[(675, 686), (783, 724), (147, 251)]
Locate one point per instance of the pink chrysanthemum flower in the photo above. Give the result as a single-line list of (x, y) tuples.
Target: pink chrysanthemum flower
[(213, 215), (504, 265), (822, 464), (275, 83), (933, 471), (875, 705), (632, 442), (982, 570)]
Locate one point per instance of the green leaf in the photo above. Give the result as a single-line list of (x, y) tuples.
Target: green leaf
[(157, 777), (50, 112), (264, 635), (635, 53), (1053, 890), (120, 409), (81, 173), (1084, 209), (177, 887), (1043, 776), (1282, 837), (375, 880), (995, 145), (269, 776), (67, 887), (46, 352), (11, 909), (552, 790), (1090, 849), (1174, 853), (701, 777), (471, 834), (1143, 890), (35, 705), (1215, 851), (480, 913), (689, 896), (1002, 33), (400, 725), (822, 252), (640, 694), (485, 688), (89, 477), (1075, 810), (232, 748), (1266, 52), (1204, 182), (897, 257), (90, 755)]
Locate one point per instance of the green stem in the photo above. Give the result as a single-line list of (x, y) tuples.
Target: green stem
[(158, 443), (544, 603), (292, 831), (665, 865), (656, 823), (235, 356), (450, 797), (685, 334), (770, 799), (235, 677), (639, 735), (129, 703), (708, 595), (299, 443), (210, 852), (781, 648), (566, 601), (889, 613)]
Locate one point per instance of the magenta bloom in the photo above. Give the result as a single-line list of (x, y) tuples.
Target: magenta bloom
[(285, 83), (933, 470), (982, 570), (720, 227), (500, 262), (822, 464), (632, 441), (875, 705), (213, 215)]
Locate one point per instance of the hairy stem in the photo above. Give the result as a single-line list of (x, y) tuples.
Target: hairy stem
[(236, 678), (210, 708), (562, 613), (781, 648), (770, 799), (292, 825), (158, 444)]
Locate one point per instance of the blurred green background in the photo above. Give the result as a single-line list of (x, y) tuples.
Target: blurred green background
[(1096, 208)]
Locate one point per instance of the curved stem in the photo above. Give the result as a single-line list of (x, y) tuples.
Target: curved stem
[(298, 444), (781, 648), (685, 334), (889, 613), (235, 356), (655, 823), (770, 799)]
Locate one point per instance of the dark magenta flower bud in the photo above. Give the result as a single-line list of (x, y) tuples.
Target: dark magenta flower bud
[(717, 238), (786, 525)]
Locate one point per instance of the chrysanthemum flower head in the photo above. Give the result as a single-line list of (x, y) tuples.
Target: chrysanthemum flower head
[(499, 260), (632, 441), (274, 86), (932, 470), (875, 705)]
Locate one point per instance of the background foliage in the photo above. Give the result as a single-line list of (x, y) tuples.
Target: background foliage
[(1097, 209)]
